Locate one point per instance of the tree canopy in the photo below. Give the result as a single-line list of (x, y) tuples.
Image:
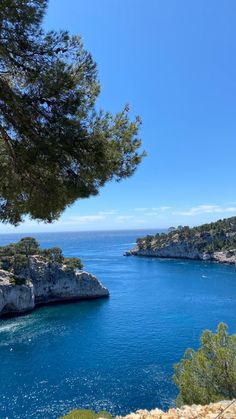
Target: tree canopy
[(209, 374), (55, 146), (15, 257)]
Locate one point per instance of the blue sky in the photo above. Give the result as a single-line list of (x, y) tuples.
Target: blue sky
[(174, 62)]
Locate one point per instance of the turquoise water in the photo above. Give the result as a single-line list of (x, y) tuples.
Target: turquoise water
[(117, 353)]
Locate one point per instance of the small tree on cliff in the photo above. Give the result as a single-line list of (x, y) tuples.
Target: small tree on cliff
[(55, 147), (209, 374), (28, 246), (73, 263)]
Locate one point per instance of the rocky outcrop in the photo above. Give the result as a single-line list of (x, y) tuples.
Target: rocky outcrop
[(225, 409), (43, 282), (214, 242), (15, 298), (181, 250)]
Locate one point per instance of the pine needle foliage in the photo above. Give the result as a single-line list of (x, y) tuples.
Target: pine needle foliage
[(55, 146), (209, 374)]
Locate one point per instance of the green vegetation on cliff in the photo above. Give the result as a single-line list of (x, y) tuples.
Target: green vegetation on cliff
[(209, 374), (207, 238), (15, 257)]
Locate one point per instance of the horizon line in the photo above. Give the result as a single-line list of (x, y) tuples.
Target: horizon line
[(84, 231)]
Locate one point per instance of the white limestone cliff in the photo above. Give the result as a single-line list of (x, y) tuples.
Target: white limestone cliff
[(181, 250), (44, 282)]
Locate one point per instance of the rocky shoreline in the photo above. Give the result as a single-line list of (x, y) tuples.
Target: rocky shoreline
[(214, 242), (228, 257), (225, 409), (46, 283)]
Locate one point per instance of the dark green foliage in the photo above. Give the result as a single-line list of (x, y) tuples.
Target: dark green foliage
[(54, 254), (5, 262), (15, 258), (55, 147), (209, 374), (8, 250), (149, 238), (73, 263), (208, 238), (27, 246), (87, 414), (19, 263), (15, 280)]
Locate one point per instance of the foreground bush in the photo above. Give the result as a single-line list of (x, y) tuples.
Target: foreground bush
[(87, 414), (209, 374)]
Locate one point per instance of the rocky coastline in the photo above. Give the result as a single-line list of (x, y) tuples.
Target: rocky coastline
[(44, 282), (174, 252), (225, 409), (214, 242)]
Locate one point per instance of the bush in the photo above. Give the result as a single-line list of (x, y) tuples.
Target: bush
[(27, 246), (7, 250), (209, 374), (53, 255), (73, 263), (19, 262), (5, 262), (87, 414)]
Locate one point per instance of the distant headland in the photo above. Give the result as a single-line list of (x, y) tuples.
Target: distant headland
[(213, 242)]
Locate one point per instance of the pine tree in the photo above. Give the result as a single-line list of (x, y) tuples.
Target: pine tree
[(209, 374), (55, 147)]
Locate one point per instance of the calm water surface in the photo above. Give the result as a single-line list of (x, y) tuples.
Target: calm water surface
[(115, 354)]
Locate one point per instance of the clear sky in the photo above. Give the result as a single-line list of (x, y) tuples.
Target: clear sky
[(174, 61)]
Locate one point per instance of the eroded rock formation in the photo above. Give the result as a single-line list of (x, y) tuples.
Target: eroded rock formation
[(43, 282)]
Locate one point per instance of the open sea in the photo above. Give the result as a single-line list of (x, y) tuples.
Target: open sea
[(115, 354)]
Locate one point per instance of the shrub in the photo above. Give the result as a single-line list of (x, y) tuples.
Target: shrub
[(209, 374), (27, 246), (5, 262), (73, 263), (54, 254), (19, 262), (87, 414)]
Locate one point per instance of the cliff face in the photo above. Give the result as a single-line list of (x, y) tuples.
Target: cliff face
[(44, 282), (184, 251), (226, 410), (15, 298), (214, 241)]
